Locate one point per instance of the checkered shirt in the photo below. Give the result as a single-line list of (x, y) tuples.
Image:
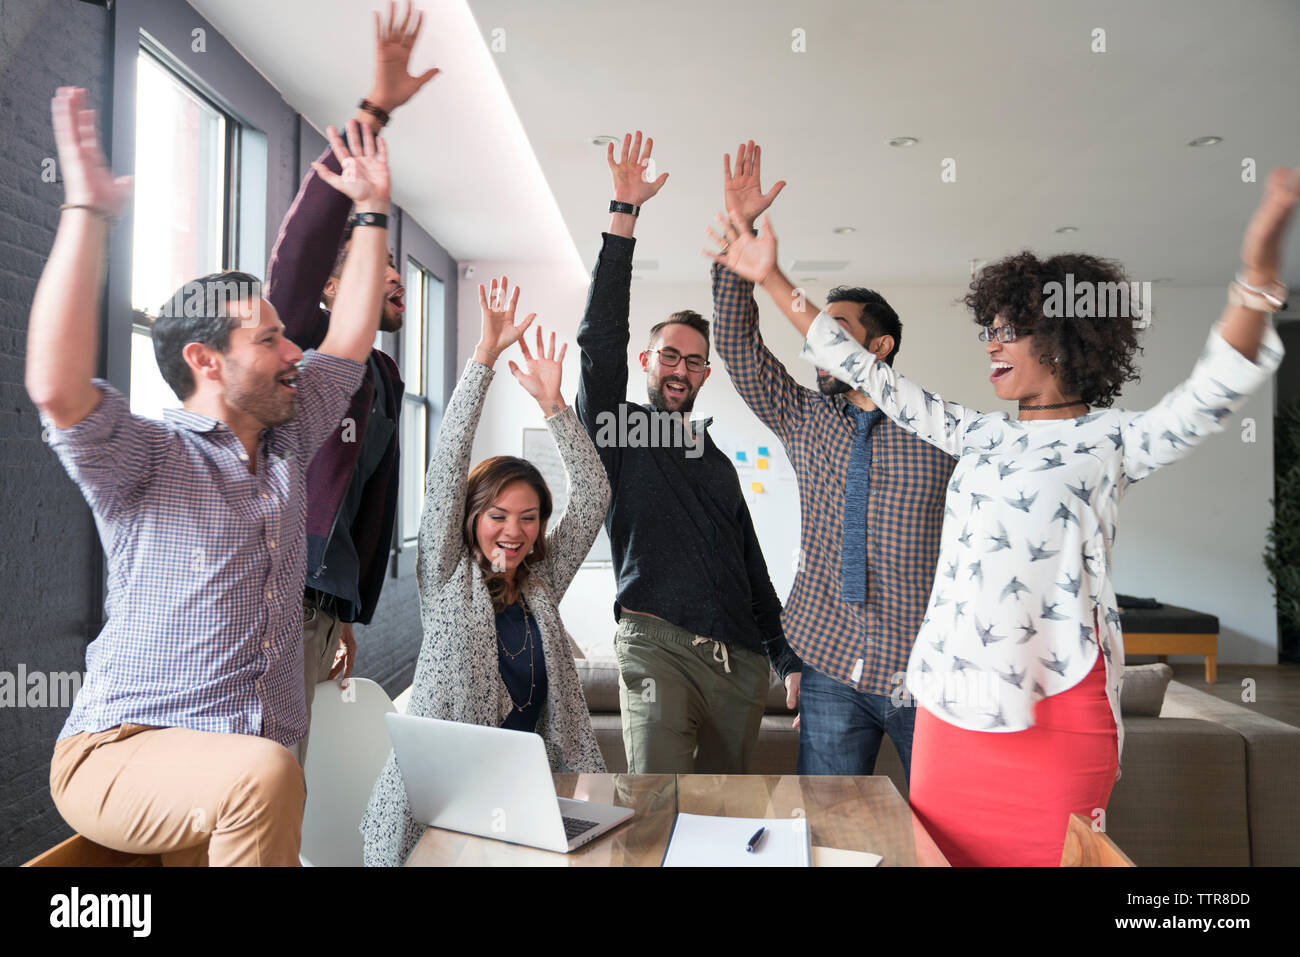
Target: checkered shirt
[(908, 483), (206, 562)]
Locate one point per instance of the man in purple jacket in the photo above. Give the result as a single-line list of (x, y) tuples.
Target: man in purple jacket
[(352, 482)]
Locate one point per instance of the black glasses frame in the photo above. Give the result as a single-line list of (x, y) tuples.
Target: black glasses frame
[(989, 333), (694, 363)]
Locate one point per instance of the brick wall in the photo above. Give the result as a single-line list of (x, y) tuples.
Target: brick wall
[(49, 563)]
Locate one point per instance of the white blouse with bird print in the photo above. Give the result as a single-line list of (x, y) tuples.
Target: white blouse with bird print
[(1025, 554)]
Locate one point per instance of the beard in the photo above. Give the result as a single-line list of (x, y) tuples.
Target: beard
[(390, 320), (259, 396), (829, 385), (662, 401)]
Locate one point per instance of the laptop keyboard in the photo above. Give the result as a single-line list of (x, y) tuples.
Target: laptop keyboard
[(574, 826)]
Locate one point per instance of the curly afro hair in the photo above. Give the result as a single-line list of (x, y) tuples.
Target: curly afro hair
[(1097, 353)]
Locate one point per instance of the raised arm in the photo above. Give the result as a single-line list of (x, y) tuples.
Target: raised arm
[(445, 482), (307, 247), (1243, 349), (63, 334), (603, 334), (354, 320), (913, 408), (569, 537), (760, 378)]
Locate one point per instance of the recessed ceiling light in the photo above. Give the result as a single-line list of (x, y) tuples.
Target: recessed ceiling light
[(1067, 229), (904, 141), (844, 230), (1206, 141), (603, 140)]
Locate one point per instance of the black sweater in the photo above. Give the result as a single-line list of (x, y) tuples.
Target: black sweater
[(682, 540)]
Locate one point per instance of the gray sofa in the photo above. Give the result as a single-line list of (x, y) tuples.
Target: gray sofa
[(1205, 782)]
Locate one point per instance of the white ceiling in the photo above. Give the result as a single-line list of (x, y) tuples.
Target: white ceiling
[(1045, 133)]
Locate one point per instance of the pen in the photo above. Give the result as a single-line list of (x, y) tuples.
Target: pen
[(754, 841)]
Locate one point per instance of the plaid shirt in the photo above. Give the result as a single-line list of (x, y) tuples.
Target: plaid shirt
[(205, 562), (862, 644)]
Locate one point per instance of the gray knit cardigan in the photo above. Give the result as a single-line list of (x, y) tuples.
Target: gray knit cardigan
[(457, 677)]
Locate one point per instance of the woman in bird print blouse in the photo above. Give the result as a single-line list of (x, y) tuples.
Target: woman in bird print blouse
[(1017, 667)]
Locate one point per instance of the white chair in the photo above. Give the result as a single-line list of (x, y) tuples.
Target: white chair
[(346, 751)]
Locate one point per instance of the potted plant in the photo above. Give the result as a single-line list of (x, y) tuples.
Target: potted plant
[(1282, 549)]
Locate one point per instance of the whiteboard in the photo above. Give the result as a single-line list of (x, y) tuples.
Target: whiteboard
[(541, 451)]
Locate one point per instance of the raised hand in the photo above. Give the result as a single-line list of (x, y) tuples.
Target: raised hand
[(499, 329), (87, 180), (364, 164), (393, 85), (628, 171), (748, 256), (1261, 248), (744, 197), (540, 374)]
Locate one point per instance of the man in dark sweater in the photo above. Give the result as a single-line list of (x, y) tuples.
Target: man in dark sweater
[(698, 618), (352, 482)]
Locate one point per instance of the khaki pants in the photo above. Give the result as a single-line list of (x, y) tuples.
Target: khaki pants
[(683, 711), (195, 797), (320, 641)]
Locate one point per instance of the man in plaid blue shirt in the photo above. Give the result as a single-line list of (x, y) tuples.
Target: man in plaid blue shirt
[(179, 741), (871, 505)]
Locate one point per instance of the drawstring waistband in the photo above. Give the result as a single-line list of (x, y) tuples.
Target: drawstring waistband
[(719, 651)]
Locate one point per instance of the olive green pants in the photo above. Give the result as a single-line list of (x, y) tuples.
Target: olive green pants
[(690, 704)]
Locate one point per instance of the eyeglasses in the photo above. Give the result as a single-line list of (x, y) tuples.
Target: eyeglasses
[(669, 358), (1005, 333)]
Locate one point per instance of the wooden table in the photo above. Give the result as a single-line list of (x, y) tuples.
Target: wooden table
[(851, 813)]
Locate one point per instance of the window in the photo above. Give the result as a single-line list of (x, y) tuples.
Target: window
[(200, 204), (424, 320)]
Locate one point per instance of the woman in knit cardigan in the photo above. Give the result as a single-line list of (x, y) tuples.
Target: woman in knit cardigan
[(491, 578)]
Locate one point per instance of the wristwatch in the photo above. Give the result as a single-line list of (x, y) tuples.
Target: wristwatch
[(369, 219)]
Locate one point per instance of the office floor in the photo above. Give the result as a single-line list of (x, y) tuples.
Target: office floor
[(1277, 687)]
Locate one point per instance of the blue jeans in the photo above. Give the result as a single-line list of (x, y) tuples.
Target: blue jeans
[(840, 729)]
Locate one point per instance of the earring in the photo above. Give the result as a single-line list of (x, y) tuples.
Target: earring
[(1059, 359)]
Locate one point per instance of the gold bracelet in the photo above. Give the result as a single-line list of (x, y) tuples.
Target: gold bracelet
[(1275, 292), (1242, 295)]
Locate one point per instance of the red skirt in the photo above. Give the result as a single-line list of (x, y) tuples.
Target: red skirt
[(1003, 799)]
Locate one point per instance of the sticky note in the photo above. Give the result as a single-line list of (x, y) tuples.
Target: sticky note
[(761, 463), (756, 486), (740, 456), (762, 451)]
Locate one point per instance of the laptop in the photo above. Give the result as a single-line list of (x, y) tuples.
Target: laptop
[(491, 782)]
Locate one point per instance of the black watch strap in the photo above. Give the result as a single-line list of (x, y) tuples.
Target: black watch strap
[(618, 207), (369, 219)]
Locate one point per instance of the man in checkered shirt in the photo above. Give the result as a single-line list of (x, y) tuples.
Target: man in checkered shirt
[(871, 504), (179, 741)]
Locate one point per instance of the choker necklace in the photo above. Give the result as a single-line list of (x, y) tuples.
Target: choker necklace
[(1058, 405)]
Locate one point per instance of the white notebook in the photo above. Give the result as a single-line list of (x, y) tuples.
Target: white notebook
[(703, 840)]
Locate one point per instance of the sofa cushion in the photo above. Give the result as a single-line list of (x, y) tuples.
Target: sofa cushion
[(1182, 798), (599, 677), (1142, 690), (775, 703)]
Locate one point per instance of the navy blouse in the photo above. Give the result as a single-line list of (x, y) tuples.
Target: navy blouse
[(527, 667)]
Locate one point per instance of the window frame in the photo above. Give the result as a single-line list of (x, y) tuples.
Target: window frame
[(231, 176)]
